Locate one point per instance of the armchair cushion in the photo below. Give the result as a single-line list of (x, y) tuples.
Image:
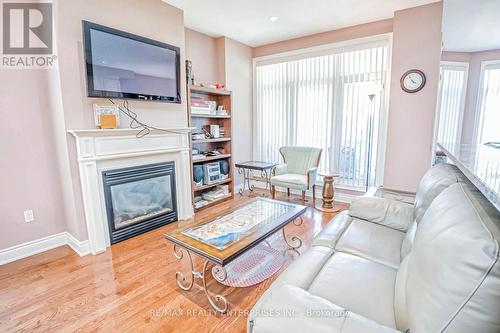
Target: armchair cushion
[(290, 180), (391, 213)]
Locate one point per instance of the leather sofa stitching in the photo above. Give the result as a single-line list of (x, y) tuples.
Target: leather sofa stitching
[(319, 271), (473, 292), (359, 255)]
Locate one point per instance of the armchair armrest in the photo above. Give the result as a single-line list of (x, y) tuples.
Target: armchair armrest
[(312, 173), (391, 213), (279, 169)]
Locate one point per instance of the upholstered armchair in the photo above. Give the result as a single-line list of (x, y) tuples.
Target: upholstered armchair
[(298, 171)]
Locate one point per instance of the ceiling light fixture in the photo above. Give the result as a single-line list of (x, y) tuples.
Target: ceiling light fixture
[(273, 18)]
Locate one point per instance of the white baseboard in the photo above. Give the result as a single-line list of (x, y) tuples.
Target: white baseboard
[(82, 248), (40, 245)]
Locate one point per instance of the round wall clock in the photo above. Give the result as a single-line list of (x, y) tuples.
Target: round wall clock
[(412, 81)]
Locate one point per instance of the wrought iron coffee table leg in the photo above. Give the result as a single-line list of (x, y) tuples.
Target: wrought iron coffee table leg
[(218, 302), (220, 274), (295, 242), (181, 280)]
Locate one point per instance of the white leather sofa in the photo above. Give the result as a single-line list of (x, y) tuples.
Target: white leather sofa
[(387, 266)]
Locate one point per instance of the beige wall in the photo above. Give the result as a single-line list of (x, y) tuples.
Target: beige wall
[(239, 79), (416, 44), (29, 172), (474, 60), (202, 51), (334, 36)]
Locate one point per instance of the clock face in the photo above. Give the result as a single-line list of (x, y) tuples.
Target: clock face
[(412, 81)]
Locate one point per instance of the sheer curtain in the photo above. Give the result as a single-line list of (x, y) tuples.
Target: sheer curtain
[(453, 87), (331, 101)]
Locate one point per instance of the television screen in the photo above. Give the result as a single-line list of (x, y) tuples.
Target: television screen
[(122, 65)]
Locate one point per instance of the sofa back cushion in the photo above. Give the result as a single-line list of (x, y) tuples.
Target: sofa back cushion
[(435, 180), (300, 159), (450, 281)]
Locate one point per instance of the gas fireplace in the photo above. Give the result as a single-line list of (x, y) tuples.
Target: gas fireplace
[(139, 199)]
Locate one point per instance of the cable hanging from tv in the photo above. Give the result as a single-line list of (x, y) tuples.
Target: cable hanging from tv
[(135, 123)]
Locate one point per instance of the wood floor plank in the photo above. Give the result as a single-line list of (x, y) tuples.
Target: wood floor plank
[(129, 288)]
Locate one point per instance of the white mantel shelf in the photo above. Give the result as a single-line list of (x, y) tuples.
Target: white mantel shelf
[(126, 131), (108, 149)]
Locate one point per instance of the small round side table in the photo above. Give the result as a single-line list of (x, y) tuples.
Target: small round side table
[(328, 192)]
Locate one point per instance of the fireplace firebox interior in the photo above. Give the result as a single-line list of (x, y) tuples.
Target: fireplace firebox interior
[(139, 199)]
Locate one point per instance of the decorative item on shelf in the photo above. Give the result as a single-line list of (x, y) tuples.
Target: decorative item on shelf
[(199, 202), (197, 175), (212, 153), (221, 111), (216, 194), (221, 150), (224, 169), (195, 151), (189, 72), (106, 116), (220, 86), (206, 130), (202, 107), (198, 135), (224, 188), (211, 173), (214, 131), (198, 157), (222, 132)]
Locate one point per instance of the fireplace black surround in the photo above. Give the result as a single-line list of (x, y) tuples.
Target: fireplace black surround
[(139, 199)]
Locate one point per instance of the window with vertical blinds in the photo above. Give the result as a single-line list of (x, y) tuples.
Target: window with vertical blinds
[(452, 92), (331, 101), (489, 103)]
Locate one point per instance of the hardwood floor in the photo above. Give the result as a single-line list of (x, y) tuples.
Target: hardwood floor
[(129, 288)]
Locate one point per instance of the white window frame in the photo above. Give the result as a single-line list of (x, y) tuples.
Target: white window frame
[(338, 47), (479, 116), (450, 65)]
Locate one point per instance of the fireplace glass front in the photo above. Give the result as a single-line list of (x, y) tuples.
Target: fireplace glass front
[(139, 199)]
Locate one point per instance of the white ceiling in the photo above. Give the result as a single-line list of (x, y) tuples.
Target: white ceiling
[(471, 25), (247, 21)]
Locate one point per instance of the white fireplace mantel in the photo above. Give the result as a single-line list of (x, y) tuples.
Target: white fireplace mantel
[(100, 150)]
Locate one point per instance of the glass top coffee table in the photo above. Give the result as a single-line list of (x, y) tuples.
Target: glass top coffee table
[(222, 239)]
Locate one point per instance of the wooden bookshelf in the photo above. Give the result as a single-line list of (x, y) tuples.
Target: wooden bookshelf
[(221, 97)]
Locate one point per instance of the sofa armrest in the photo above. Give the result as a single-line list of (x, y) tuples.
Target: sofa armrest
[(391, 213), (312, 173), (279, 169)]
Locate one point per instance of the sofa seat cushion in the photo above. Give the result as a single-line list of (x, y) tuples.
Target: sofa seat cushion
[(295, 310), (372, 241), (358, 285), (290, 180), (333, 230)]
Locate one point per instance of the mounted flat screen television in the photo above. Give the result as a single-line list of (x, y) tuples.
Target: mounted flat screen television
[(123, 65)]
